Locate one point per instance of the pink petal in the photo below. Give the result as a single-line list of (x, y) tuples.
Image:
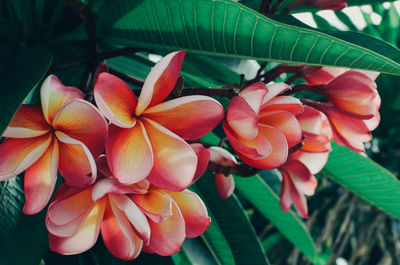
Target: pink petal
[(286, 199), (254, 95), (203, 158), (291, 195), (40, 179), (241, 118), (102, 167), (315, 162), (68, 229), (134, 215), (77, 165), (129, 153), (70, 207), (324, 75), (373, 122), (301, 177), (283, 103), (54, 95), (160, 81), (19, 154), (222, 156), (193, 210), (82, 121), (274, 90), (115, 100), (225, 185), (156, 204), (111, 185), (256, 148), (279, 148), (167, 237), (175, 161), (189, 117), (27, 122), (85, 237), (286, 123), (118, 235)]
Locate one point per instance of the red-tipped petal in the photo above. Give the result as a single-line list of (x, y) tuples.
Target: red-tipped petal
[(118, 234), (221, 156), (115, 100), (225, 185), (175, 161), (286, 123), (193, 211), (156, 204), (167, 237), (256, 148), (283, 103), (129, 153), (27, 122), (254, 95), (302, 178), (54, 95), (160, 81), (77, 164), (315, 162), (82, 121), (40, 179), (274, 90), (203, 158), (111, 185), (324, 75), (279, 152), (19, 154), (134, 215), (241, 118), (286, 199), (292, 195), (189, 117), (84, 238)]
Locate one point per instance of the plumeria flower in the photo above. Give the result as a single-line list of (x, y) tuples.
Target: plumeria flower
[(323, 4), (147, 135), (63, 133), (353, 92), (130, 218), (298, 172), (261, 126)]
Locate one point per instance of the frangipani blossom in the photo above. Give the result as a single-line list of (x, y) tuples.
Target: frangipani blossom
[(147, 135), (261, 125), (64, 133), (353, 92), (130, 218), (298, 172)]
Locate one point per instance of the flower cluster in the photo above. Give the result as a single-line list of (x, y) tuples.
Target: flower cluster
[(135, 194), (127, 177)]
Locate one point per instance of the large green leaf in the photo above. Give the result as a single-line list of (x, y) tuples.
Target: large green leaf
[(22, 74), (227, 28), (365, 178), (267, 202), (23, 238), (233, 222)]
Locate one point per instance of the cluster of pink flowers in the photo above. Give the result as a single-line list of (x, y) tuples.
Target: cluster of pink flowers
[(127, 178), (135, 194)]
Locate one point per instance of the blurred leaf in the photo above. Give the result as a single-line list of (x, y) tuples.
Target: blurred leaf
[(267, 202), (365, 178), (322, 23), (23, 238), (233, 222), (271, 241), (21, 76), (233, 30)]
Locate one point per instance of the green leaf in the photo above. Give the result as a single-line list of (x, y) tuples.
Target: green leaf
[(23, 238), (21, 76), (257, 191), (365, 178), (227, 28), (233, 222)]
